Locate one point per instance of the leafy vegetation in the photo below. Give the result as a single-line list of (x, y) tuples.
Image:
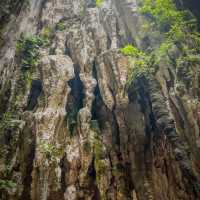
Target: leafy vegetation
[(139, 62), (130, 50), (28, 55), (9, 128), (27, 49), (99, 2), (60, 26), (7, 184), (163, 12), (50, 150), (46, 34), (178, 27), (9, 120)]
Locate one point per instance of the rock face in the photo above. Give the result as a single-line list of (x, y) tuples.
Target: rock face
[(70, 129)]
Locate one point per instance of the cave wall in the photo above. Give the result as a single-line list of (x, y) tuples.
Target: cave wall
[(71, 130)]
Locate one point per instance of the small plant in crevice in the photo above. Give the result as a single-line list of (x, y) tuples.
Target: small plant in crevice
[(9, 121), (60, 26), (130, 50), (46, 35), (10, 127), (7, 184), (27, 52), (7, 170), (49, 150), (139, 62)]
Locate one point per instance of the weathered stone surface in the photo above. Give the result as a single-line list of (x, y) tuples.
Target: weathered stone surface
[(75, 132)]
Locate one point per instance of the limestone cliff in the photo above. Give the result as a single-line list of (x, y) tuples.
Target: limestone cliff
[(71, 128)]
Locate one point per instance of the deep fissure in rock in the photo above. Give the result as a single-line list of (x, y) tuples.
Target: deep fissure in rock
[(36, 90), (75, 100)]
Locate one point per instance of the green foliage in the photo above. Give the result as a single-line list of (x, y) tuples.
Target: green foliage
[(163, 12), (161, 51), (7, 170), (7, 117), (7, 184), (178, 25), (99, 2), (191, 58), (28, 51), (9, 124), (196, 38), (50, 150), (178, 28), (46, 34), (8, 121), (60, 26), (130, 50), (139, 62), (28, 55)]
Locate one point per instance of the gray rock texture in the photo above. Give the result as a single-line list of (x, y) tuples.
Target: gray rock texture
[(70, 129)]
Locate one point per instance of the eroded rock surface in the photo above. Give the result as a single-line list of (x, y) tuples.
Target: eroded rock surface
[(70, 130)]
